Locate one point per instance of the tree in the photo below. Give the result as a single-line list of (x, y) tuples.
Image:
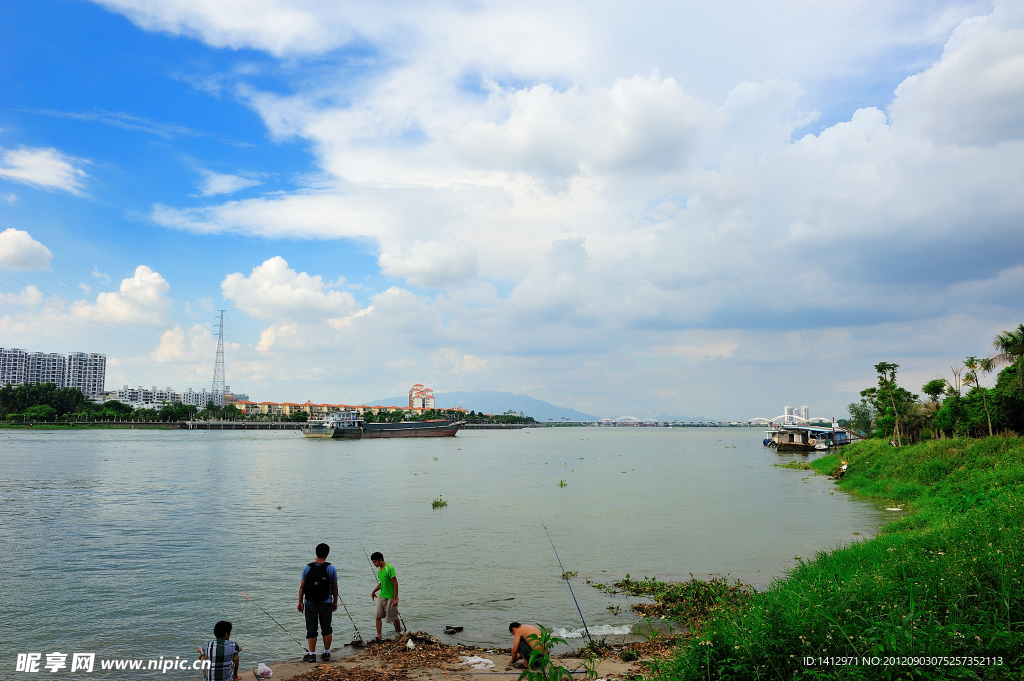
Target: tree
[(974, 365), (891, 403), (934, 388), (40, 412), (1010, 345), (862, 417)]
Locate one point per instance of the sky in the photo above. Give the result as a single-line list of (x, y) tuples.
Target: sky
[(685, 208)]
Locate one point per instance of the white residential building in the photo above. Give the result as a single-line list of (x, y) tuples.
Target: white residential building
[(148, 398), (87, 372), (201, 398), (13, 366), (421, 397), (47, 367)]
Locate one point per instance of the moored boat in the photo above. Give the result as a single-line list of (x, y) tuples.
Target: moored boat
[(348, 425), (793, 438)]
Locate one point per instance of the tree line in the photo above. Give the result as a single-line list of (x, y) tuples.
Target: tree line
[(45, 402), (954, 406)]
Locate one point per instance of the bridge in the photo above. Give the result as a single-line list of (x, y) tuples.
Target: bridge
[(788, 420)]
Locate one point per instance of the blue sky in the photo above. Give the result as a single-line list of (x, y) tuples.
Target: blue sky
[(672, 208)]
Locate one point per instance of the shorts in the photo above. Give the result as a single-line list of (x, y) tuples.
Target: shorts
[(524, 650), (316, 611), (386, 610)]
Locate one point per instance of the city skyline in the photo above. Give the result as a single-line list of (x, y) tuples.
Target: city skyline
[(673, 208)]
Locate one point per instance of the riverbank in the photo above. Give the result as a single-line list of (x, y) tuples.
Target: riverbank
[(430, 659), (942, 581)]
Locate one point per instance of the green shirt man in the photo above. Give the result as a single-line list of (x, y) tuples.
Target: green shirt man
[(387, 603)]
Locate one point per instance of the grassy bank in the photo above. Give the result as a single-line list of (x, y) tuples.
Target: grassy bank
[(943, 580)]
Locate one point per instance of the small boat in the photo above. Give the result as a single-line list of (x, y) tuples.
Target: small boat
[(798, 438), (348, 425)]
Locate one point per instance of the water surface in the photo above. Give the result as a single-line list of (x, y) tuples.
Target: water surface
[(133, 543)]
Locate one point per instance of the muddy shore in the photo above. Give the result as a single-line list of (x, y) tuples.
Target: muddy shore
[(431, 660)]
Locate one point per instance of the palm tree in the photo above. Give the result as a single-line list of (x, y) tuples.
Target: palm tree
[(1010, 345), (974, 365)]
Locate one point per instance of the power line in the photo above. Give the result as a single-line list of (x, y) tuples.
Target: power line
[(68, 267), (75, 326), (85, 319), (146, 323)]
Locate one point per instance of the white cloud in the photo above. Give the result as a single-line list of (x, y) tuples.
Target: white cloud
[(594, 222), (196, 344), (274, 291), (46, 168), (277, 26), (458, 363), (219, 183), (28, 298), (140, 299), (275, 332), (19, 251), (975, 93), (431, 264)]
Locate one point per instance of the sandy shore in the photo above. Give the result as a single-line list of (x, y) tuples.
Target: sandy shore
[(428, 661)]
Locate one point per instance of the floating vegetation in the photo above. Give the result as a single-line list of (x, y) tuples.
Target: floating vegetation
[(562, 483), (438, 502), (693, 601), (569, 574)]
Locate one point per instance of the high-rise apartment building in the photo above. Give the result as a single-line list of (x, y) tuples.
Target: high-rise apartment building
[(13, 366), (421, 397), (47, 367), (85, 371)]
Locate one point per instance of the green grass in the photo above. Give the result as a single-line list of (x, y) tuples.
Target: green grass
[(943, 580)]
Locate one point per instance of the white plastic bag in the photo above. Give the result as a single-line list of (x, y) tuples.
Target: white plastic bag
[(263, 671), (475, 662)]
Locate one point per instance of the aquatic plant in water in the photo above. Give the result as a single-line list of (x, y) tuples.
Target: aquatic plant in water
[(438, 502)]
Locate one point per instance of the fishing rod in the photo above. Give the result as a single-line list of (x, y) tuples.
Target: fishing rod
[(304, 649), (585, 627), (401, 619), (358, 635)]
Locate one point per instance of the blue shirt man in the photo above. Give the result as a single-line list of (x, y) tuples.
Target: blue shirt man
[(318, 599)]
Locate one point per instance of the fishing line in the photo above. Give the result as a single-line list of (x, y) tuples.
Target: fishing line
[(585, 627), (304, 649), (361, 643), (373, 569)]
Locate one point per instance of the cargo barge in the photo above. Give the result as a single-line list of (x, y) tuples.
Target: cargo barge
[(348, 425)]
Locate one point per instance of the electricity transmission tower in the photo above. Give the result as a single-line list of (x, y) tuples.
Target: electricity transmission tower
[(218, 367)]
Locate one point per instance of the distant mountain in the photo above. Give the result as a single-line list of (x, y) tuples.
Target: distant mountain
[(496, 402)]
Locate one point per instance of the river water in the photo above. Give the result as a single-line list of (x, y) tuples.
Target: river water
[(133, 543)]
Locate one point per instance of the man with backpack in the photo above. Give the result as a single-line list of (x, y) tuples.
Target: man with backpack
[(318, 599)]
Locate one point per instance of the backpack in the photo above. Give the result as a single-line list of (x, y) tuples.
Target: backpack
[(318, 583)]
